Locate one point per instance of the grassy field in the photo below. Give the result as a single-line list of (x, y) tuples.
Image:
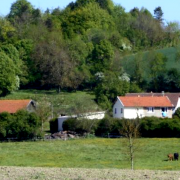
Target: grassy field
[(128, 61), (91, 153)]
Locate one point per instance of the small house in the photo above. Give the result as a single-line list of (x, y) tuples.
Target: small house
[(131, 107), (173, 97), (12, 106)]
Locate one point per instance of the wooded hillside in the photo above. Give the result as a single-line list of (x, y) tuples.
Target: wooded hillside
[(83, 47)]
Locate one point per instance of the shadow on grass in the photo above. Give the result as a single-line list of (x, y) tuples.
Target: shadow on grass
[(48, 131), (165, 160)]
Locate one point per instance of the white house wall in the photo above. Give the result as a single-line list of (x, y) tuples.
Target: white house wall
[(118, 105), (133, 113), (128, 113), (158, 112), (177, 106)]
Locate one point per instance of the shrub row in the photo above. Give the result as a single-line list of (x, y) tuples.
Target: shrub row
[(154, 127), (149, 126)]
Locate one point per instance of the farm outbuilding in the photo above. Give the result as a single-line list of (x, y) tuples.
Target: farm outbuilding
[(90, 116), (12, 106)]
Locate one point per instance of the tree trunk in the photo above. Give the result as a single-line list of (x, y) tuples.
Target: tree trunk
[(59, 89), (131, 152)]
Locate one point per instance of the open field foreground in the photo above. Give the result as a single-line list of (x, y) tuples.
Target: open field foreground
[(27, 173), (98, 153)]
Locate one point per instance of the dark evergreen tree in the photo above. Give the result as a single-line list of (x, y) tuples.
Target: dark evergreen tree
[(158, 14)]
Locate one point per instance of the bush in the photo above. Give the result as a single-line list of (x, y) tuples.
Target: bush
[(21, 125), (53, 125), (108, 125), (70, 124), (87, 125), (156, 127), (4, 122), (80, 125), (149, 126), (177, 114)]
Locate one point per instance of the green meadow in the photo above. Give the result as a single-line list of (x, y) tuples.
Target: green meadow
[(127, 62), (64, 102), (91, 153)]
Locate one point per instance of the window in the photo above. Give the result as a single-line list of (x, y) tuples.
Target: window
[(115, 110), (121, 110), (150, 109), (164, 109)]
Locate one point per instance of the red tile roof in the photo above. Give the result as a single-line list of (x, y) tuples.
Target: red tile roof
[(152, 101), (173, 97), (13, 106)]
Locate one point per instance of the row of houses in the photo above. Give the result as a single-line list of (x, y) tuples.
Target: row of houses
[(130, 106), (12, 106)]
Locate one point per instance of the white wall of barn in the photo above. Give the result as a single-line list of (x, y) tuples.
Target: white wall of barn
[(93, 115)]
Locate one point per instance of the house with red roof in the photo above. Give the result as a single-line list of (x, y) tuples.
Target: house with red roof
[(131, 107), (12, 106), (173, 97)]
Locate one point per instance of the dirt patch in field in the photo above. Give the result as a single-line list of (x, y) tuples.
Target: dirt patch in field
[(27, 173)]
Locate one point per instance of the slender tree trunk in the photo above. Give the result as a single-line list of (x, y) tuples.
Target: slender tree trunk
[(131, 152), (59, 89)]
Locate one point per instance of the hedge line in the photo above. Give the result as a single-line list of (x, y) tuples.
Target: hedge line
[(149, 126)]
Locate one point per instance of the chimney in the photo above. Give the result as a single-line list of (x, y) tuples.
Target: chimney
[(151, 93), (162, 93)]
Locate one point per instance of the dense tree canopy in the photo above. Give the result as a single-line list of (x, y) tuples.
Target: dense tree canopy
[(82, 47), (19, 9)]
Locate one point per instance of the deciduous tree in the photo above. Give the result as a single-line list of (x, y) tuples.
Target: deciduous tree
[(7, 74), (44, 111), (109, 88), (157, 63), (130, 129), (55, 64)]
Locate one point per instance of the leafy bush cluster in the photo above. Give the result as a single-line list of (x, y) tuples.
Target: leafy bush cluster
[(154, 127), (81, 125), (21, 125), (149, 126)]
